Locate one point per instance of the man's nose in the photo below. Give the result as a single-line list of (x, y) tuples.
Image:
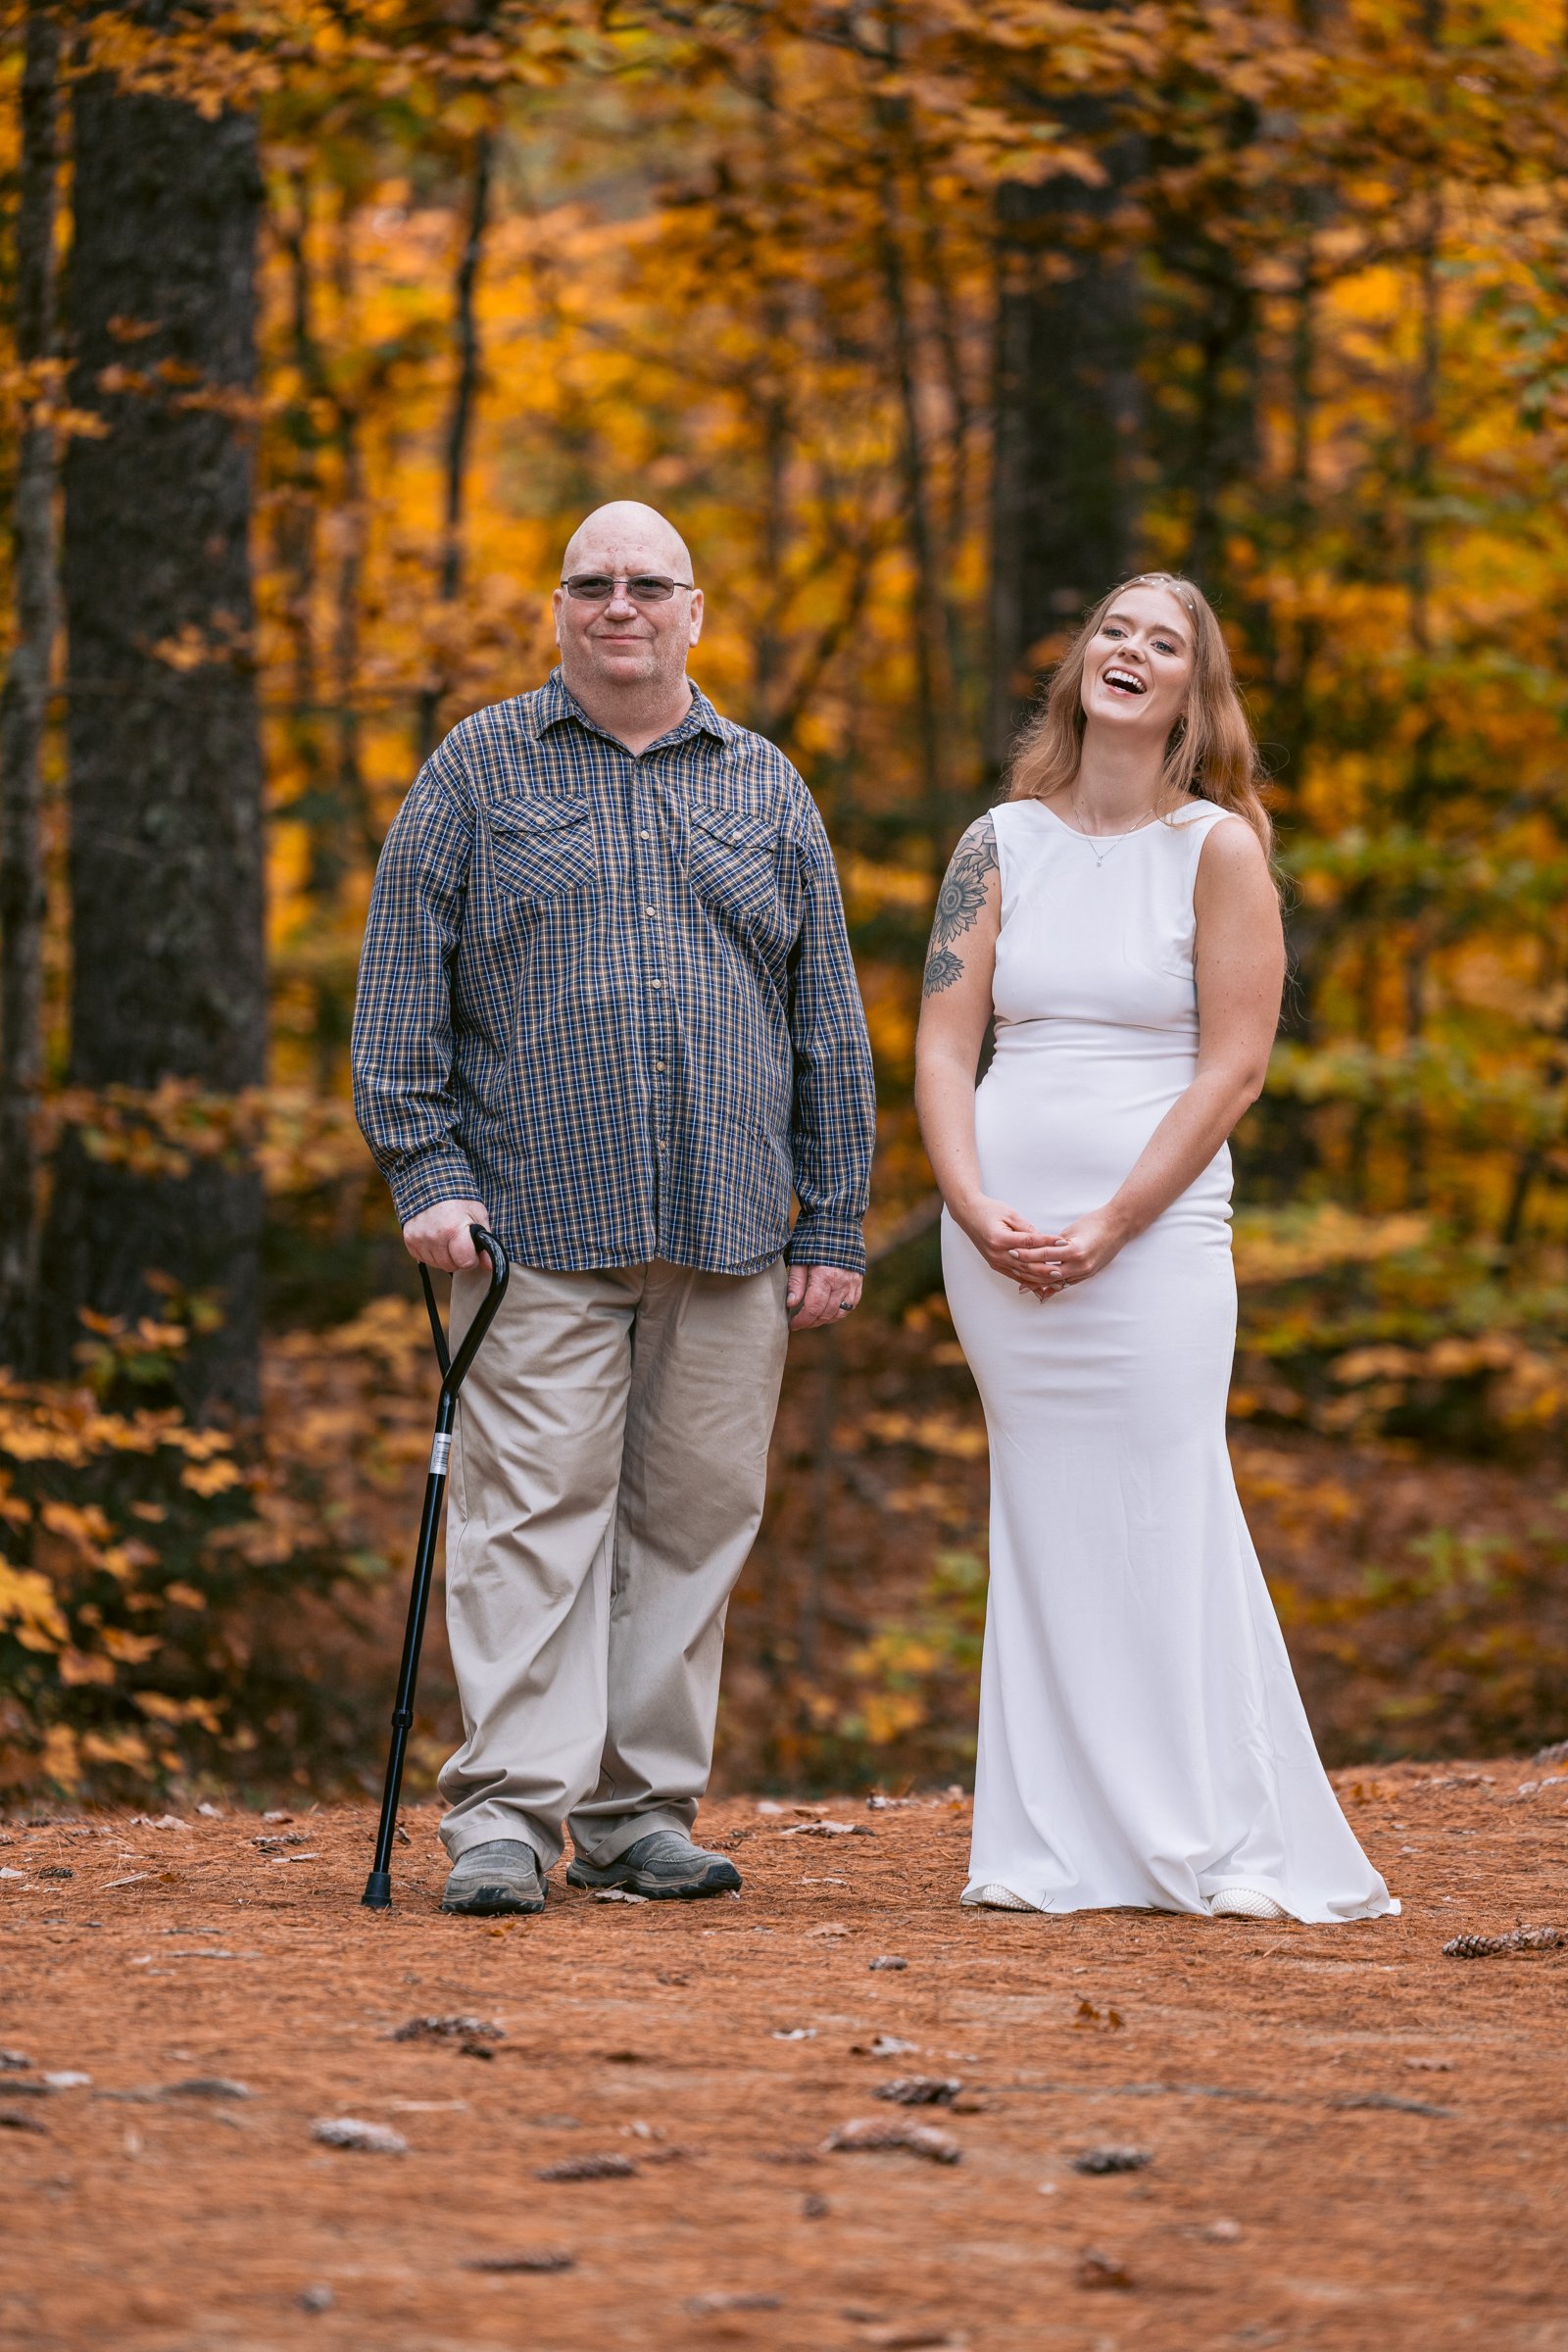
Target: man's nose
[(620, 599)]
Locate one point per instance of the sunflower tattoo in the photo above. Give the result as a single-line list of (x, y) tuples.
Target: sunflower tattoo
[(958, 904)]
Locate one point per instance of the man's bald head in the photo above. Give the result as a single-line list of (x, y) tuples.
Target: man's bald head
[(627, 536), (625, 659)]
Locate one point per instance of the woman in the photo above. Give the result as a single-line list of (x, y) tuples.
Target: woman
[(1140, 1736)]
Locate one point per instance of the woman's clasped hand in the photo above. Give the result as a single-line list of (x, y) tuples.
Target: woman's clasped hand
[(1012, 1246)]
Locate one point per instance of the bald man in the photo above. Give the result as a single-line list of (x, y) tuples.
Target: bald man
[(607, 1009)]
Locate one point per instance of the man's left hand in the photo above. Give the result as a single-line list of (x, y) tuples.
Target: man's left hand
[(818, 1295)]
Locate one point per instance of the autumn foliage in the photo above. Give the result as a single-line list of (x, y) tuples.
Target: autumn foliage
[(921, 320)]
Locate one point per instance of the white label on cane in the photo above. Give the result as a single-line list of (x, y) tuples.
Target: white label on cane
[(440, 1449)]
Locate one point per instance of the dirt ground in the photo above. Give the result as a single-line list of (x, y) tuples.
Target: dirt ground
[(1353, 2140)]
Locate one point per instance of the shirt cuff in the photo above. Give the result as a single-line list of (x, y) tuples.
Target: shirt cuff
[(821, 1239), (421, 1181)]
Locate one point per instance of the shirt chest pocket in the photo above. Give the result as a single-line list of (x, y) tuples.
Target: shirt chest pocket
[(541, 846), (732, 860)]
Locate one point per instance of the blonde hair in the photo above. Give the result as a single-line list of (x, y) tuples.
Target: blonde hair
[(1210, 755)]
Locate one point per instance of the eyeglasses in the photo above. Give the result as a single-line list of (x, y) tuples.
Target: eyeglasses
[(643, 587)]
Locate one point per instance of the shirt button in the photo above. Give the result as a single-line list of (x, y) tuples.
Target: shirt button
[(658, 1065), (644, 837), (656, 984)]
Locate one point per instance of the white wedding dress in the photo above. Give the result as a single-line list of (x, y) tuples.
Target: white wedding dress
[(1142, 1740)]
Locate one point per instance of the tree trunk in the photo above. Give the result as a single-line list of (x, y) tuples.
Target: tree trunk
[(24, 709), (1067, 413), (460, 419), (165, 768)]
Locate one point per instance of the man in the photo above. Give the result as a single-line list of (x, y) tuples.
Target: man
[(606, 1008)]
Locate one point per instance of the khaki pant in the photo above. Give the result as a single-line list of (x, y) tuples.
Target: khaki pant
[(607, 1483)]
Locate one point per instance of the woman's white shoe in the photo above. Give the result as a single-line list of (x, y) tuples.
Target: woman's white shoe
[(993, 1898), (1243, 1903)]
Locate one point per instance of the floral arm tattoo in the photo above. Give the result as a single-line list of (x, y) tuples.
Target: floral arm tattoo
[(958, 904)]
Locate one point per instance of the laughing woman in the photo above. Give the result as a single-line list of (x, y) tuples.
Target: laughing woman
[(1142, 1741)]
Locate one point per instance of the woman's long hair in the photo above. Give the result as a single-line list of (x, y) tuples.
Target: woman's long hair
[(1210, 755)]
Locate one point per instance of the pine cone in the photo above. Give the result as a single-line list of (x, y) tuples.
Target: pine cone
[(1517, 1940)]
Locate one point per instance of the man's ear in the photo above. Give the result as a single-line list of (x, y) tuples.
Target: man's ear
[(696, 610)]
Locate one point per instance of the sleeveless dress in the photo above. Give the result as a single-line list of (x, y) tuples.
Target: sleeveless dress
[(1142, 1740)]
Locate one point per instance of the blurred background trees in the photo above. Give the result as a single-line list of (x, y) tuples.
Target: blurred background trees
[(924, 323)]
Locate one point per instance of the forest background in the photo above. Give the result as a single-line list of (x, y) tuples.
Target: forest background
[(925, 321)]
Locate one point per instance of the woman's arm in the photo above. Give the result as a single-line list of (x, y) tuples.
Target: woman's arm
[(955, 1009), (1241, 977)]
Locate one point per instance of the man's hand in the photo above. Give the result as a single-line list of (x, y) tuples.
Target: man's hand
[(440, 1236), (820, 1294)]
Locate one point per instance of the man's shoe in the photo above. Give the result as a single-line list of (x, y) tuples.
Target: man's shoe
[(501, 1875), (665, 1865)]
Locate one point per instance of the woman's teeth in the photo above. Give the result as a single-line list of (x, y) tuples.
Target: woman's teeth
[(1123, 681)]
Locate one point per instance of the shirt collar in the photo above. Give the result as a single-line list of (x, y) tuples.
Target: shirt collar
[(557, 704)]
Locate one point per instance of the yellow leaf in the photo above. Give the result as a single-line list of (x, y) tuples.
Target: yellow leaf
[(209, 1477), (78, 1666)]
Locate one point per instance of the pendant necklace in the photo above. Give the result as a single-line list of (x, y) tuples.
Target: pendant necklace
[(1099, 856)]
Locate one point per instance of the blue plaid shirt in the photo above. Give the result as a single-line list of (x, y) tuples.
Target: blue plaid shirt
[(611, 998)]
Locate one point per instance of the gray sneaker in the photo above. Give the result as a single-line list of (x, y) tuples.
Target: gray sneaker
[(665, 1865), (501, 1875)]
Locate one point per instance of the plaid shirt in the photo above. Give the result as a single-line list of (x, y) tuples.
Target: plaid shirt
[(611, 998)]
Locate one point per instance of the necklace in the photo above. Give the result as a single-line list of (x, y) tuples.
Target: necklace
[(1099, 856)]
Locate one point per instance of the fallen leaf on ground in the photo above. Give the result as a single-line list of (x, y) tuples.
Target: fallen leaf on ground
[(883, 2045), (1386, 2099), (919, 2091), (868, 2133), (830, 1928), (349, 2132), (914, 2335), (1112, 2160), (1093, 2019), (541, 2259), (829, 1829), (588, 2168), (617, 1894), (703, 2307), (1102, 2270), (450, 2028), (887, 1960)]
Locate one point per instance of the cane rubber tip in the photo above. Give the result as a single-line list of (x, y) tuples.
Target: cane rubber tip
[(377, 1896)]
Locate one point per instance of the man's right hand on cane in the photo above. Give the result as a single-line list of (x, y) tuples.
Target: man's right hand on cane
[(440, 1236)]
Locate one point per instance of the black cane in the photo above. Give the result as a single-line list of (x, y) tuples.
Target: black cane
[(453, 1371)]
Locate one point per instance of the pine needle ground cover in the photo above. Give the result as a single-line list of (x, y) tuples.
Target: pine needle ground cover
[(238, 2111)]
